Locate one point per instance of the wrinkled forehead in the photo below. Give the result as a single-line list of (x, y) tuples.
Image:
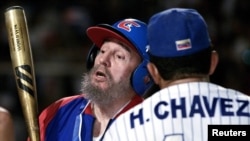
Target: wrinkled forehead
[(123, 45)]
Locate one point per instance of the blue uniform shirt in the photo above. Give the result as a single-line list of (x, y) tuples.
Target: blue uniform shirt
[(71, 119)]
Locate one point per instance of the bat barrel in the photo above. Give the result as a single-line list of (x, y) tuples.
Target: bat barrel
[(22, 63)]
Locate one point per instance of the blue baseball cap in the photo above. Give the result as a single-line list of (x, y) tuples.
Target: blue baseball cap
[(177, 32), (130, 31)]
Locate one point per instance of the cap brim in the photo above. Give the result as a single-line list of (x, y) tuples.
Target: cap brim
[(98, 34)]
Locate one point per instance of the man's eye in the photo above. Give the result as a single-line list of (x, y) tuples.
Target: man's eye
[(102, 51), (120, 57)]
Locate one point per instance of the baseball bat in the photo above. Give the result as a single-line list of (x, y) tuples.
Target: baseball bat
[(22, 64)]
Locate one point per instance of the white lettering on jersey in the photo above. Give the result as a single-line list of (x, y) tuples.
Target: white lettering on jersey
[(200, 106)]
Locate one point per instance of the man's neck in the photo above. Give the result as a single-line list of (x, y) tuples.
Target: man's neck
[(104, 114)]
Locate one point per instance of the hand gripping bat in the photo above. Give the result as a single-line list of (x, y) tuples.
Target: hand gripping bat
[(22, 63)]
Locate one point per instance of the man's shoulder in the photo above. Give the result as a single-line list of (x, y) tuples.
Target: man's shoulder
[(69, 101)]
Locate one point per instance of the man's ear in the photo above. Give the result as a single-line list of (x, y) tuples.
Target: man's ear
[(154, 72), (214, 62)]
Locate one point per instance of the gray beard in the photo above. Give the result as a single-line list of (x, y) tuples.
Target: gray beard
[(114, 91)]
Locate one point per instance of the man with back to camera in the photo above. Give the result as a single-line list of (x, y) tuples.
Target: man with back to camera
[(181, 61), (116, 82)]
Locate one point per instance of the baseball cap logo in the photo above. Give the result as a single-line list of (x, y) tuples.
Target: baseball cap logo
[(183, 44), (127, 25)]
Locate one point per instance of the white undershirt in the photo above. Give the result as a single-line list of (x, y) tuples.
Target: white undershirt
[(97, 138)]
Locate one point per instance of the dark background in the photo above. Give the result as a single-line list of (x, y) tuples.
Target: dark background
[(59, 43)]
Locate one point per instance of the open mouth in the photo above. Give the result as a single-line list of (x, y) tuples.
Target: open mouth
[(100, 74)]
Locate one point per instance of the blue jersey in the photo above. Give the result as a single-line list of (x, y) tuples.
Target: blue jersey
[(71, 119)]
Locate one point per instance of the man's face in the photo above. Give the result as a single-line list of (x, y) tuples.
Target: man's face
[(109, 79)]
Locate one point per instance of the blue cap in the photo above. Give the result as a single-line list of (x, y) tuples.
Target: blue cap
[(133, 32), (177, 32)]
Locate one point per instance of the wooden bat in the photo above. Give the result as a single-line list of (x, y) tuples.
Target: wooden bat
[(22, 63)]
